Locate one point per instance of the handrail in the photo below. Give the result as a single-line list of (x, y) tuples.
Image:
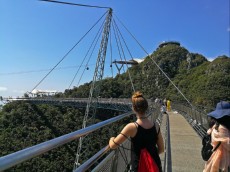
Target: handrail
[(197, 119), (28, 153), (92, 160), (106, 160), (167, 158)]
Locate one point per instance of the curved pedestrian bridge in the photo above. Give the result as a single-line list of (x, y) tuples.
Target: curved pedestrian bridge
[(182, 129)]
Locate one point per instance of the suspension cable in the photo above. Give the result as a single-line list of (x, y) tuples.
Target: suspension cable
[(111, 53), (68, 3), (124, 58), (117, 42), (123, 39), (69, 51), (38, 70), (99, 35), (86, 54), (132, 35), (155, 63)]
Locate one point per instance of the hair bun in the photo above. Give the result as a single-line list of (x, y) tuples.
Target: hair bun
[(140, 104), (137, 94)]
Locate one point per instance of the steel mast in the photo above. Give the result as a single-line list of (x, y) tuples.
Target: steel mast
[(91, 107)]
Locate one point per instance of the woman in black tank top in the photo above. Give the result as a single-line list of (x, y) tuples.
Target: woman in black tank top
[(143, 134), (144, 138)]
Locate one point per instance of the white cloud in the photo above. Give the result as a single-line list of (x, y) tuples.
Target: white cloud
[(211, 59), (3, 89)]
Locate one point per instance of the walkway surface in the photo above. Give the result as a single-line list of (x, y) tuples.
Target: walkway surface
[(185, 145)]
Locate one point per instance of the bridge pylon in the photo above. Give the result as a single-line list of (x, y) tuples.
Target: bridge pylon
[(91, 107)]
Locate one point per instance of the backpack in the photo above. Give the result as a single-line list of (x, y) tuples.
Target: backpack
[(146, 162), (207, 148)]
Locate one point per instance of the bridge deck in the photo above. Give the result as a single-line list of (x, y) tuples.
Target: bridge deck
[(185, 145)]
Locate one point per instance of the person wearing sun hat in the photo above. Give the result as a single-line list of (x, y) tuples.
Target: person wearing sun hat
[(220, 132)]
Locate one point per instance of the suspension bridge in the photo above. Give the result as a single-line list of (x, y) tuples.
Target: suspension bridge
[(183, 127)]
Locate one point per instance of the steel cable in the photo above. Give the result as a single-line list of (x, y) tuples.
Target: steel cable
[(69, 51)]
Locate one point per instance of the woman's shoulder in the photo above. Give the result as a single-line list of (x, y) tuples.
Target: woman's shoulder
[(130, 129), (132, 125)]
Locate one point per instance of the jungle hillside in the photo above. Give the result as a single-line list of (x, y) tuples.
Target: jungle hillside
[(22, 124)]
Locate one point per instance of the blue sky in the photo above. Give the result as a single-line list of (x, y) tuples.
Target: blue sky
[(35, 36)]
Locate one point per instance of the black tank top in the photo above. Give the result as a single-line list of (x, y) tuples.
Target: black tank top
[(144, 138)]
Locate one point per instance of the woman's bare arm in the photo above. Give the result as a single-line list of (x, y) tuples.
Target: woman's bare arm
[(127, 131)]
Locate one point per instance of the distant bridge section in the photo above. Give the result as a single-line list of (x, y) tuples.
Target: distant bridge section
[(123, 105)]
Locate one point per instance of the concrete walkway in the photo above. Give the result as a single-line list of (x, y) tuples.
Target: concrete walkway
[(185, 145)]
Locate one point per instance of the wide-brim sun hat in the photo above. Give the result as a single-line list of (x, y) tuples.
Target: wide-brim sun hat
[(222, 109)]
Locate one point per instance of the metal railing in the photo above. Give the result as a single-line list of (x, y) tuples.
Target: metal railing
[(167, 157), (93, 159), (197, 118), (28, 153)]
